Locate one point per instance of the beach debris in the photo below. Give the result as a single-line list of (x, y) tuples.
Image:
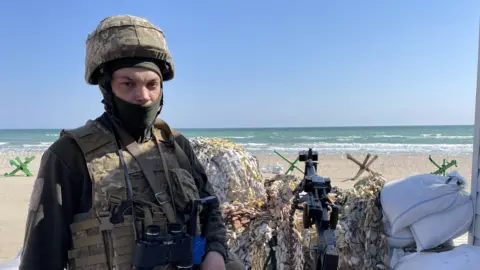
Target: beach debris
[(361, 237), (269, 168), (233, 172)]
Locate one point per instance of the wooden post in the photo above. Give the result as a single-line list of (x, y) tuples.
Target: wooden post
[(474, 232)]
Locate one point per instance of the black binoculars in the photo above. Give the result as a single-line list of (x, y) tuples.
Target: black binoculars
[(159, 248)]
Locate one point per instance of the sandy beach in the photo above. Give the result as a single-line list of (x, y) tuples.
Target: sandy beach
[(15, 191)]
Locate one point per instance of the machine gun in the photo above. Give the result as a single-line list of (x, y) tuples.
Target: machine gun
[(312, 192)]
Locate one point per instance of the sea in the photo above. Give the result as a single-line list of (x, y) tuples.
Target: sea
[(452, 140)]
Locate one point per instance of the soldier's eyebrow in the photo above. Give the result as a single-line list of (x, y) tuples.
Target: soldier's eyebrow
[(125, 77)]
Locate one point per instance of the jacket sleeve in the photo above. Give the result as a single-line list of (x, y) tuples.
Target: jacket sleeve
[(47, 233), (216, 239)]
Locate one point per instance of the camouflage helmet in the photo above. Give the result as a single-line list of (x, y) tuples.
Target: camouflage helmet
[(124, 36)]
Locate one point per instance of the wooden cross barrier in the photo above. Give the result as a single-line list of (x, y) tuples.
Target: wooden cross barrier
[(363, 166), (292, 164), (20, 166)]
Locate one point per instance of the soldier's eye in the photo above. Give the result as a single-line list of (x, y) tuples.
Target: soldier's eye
[(153, 85), (128, 84)]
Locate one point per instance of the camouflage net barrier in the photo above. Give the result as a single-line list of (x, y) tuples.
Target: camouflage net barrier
[(265, 235), (361, 238), (233, 172), (263, 230)]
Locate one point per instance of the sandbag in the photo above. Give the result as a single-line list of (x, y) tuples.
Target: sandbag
[(407, 200), (396, 254), (402, 239), (433, 230), (463, 257)]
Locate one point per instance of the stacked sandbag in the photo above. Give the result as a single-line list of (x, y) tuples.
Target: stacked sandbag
[(233, 172), (432, 208), (463, 257), (361, 240)]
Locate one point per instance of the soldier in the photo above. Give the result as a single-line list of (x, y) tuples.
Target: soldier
[(81, 209)]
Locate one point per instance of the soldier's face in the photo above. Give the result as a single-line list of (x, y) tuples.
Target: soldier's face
[(137, 85)]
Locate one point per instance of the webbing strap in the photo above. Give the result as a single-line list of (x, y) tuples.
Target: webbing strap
[(161, 195), (179, 153), (90, 260), (182, 158)]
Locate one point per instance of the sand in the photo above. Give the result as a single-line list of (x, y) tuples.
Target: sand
[(15, 191)]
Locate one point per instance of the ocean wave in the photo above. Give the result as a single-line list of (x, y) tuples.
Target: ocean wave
[(322, 147), (373, 148), (338, 138), (41, 145), (388, 136), (310, 138), (238, 137), (426, 136), (253, 144)]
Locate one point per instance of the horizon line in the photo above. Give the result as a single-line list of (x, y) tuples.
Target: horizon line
[(277, 127)]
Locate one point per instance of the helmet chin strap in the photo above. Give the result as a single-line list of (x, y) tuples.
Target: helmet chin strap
[(159, 109)]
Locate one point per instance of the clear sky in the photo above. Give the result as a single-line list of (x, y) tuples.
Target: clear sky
[(255, 63)]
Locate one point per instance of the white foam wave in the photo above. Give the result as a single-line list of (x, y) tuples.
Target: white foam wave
[(239, 137), (425, 136), (322, 147), (388, 136), (338, 138), (253, 144), (42, 145), (374, 148)]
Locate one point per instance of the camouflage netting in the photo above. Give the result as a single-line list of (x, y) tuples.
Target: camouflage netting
[(361, 239), (263, 234), (233, 172), (263, 229)]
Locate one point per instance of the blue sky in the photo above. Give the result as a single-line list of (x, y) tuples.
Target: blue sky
[(255, 63)]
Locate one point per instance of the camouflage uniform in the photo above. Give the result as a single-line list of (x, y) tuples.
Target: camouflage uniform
[(75, 218)]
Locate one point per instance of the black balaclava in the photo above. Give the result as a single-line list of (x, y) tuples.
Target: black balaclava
[(136, 119)]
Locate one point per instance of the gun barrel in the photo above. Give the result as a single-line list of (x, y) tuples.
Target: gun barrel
[(309, 169)]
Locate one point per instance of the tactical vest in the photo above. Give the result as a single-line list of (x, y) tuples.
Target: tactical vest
[(104, 237)]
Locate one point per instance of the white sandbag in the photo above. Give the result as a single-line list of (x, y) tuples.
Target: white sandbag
[(407, 200), (396, 254), (402, 239), (438, 228), (463, 257)]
